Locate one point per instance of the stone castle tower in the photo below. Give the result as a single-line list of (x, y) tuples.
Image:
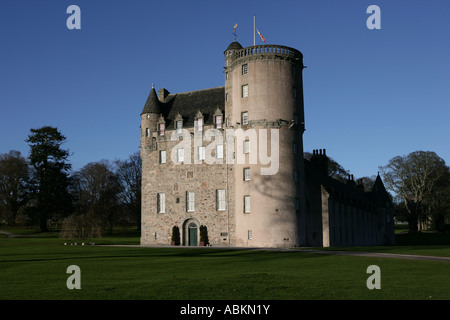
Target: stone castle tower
[(229, 161), (264, 93)]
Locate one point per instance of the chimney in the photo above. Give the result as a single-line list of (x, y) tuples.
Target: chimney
[(320, 160), (162, 94), (350, 181)]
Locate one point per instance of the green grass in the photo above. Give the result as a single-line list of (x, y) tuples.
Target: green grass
[(35, 268)]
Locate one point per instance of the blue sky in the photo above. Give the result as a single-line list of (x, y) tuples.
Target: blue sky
[(370, 95)]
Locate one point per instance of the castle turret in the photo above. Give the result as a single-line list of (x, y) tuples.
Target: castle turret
[(264, 98), (149, 119)]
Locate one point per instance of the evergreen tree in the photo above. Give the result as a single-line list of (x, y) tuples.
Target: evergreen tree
[(50, 197)]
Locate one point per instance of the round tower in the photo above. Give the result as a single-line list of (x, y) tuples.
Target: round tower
[(149, 119), (264, 99)]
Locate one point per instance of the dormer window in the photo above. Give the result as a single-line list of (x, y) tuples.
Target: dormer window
[(198, 121), (161, 126), (218, 118), (199, 124), (179, 123), (161, 129), (218, 122)]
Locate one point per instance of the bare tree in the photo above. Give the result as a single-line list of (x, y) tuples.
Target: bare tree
[(413, 179), (129, 173), (13, 177), (95, 190)]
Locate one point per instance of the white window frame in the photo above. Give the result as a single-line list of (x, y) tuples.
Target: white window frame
[(219, 122), (190, 201), (161, 199), (244, 117), (246, 174), (201, 153), (180, 155), (245, 91), (161, 128), (219, 151), (220, 200), (246, 146), (179, 126), (162, 156), (244, 69), (199, 124), (147, 132), (249, 234), (246, 204)]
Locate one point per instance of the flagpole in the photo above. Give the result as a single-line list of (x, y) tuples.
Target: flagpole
[(254, 31)]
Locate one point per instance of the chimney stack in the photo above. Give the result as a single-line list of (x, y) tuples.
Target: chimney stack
[(320, 160)]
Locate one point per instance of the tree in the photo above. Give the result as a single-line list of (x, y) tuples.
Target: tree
[(49, 188), (129, 173), (413, 179), (95, 190), (13, 178)]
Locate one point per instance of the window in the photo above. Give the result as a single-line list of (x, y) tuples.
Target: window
[(246, 174), (245, 91), (295, 119), (147, 132), (199, 122), (179, 126), (218, 122), (295, 175), (226, 76), (201, 153), (190, 201), (244, 69), (297, 204), (250, 234), (226, 96), (294, 147), (180, 155), (162, 156), (247, 146), (161, 202), (246, 204), (219, 151), (244, 117), (161, 129), (220, 199), (294, 92)]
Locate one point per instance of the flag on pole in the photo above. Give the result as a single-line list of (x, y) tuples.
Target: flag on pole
[(235, 26), (262, 37)]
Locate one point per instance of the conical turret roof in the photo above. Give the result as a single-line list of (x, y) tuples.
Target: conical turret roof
[(153, 105)]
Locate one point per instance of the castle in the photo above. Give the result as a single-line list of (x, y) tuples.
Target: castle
[(224, 166)]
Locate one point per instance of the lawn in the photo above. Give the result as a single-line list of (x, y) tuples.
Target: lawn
[(35, 268)]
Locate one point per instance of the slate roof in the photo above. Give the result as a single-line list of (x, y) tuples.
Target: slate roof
[(347, 192), (152, 105), (187, 104)]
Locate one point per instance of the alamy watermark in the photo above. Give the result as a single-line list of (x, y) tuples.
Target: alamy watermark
[(230, 146), (74, 280)]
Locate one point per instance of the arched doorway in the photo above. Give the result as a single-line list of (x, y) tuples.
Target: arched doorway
[(190, 232)]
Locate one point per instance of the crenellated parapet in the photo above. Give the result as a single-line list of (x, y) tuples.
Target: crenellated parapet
[(265, 52)]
